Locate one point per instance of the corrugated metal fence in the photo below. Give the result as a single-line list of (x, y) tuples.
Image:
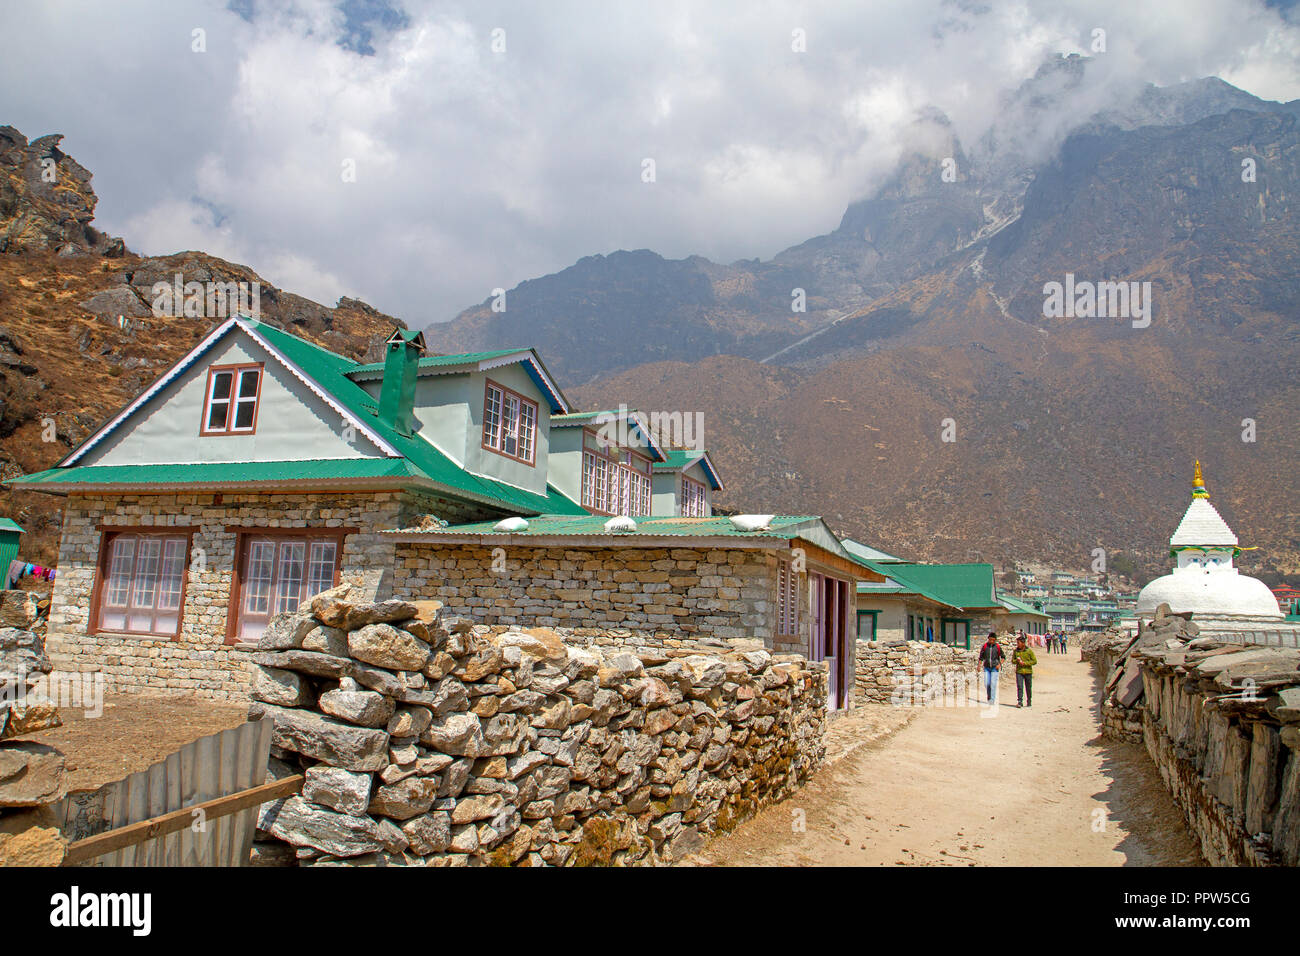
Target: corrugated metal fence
[(202, 770)]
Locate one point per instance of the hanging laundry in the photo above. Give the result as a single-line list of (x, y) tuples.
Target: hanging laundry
[(15, 572)]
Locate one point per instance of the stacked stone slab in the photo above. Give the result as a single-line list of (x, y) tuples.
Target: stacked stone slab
[(910, 673), (31, 774), (428, 740), (1221, 721)]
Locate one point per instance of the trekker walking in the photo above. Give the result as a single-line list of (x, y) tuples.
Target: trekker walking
[(1063, 642), (1024, 660), (991, 659)]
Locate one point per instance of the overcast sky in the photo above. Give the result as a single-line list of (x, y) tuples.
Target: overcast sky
[(476, 168)]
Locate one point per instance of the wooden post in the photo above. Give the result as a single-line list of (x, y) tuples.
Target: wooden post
[(176, 820)]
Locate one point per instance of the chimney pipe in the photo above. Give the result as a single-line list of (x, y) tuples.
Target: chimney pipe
[(397, 391)]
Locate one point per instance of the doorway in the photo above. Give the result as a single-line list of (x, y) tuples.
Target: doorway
[(832, 637)]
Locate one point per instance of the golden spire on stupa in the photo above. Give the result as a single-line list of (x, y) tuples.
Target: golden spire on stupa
[(1198, 483)]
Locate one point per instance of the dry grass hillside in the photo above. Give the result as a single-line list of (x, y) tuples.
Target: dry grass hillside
[(78, 337)]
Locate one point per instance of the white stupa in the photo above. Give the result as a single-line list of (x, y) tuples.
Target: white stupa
[(1204, 580)]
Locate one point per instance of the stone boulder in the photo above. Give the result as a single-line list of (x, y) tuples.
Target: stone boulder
[(383, 645), (296, 821), (17, 609), (334, 742), (30, 774)]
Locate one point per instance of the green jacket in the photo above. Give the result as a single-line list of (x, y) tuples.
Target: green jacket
[(1024, 660)]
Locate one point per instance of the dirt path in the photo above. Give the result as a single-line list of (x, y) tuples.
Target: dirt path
[(1031, 787)]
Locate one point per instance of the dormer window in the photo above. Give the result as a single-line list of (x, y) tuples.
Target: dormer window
[(509, 424), (695, 500), (231, 404)]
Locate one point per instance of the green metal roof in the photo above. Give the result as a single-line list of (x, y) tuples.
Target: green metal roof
[(1017, 606), (442, 361), (957, 585), (330, 372), (8, 524), (225, 472), (781, 526), (679, 459), (865, 552), (420, 461), (1063, 606)]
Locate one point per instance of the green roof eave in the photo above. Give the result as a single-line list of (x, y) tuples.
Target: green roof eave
[(224, 473), (9, 524)]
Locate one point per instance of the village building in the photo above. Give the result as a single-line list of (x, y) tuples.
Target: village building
[(261, 469), (785, 581), (1018, 615), (684, 483), (925, 602), (1063, 615)]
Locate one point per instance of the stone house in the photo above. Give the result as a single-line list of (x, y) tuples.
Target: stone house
[(787, 582), (261, 469), (1021, 615), (946, 603)]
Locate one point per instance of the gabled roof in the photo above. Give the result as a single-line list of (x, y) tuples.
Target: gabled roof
[(679, 459), (9, 524), (1017, 606), (607, 416), (962, 586), (865, 552), (326, 374), (464, 362)]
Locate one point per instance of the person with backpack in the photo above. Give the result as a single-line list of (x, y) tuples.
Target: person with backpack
[(1024, 659), (990, 658)]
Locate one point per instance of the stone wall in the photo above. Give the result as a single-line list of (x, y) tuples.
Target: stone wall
[(199, 663), (1221, 721), (427, 740), (911, 672), (1229, 756), (680, 591)]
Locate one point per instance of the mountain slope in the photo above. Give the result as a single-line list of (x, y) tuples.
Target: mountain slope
[(78, 337)]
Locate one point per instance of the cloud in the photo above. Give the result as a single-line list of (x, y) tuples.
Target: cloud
[(478, 167)]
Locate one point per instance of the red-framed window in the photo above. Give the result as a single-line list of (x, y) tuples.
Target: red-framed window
[(230, 403), (787, 599), (695, 500), (140, 587), (275, 573), (616, 482), (509, 423)]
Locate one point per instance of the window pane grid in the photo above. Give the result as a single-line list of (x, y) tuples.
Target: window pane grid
[(119, 576), (144, 587), (509, 424), (289, 579)]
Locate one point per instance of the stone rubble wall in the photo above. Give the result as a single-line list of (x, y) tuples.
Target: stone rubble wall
[(32, 775), (428, 740), (1221, 721), (897, 671)]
